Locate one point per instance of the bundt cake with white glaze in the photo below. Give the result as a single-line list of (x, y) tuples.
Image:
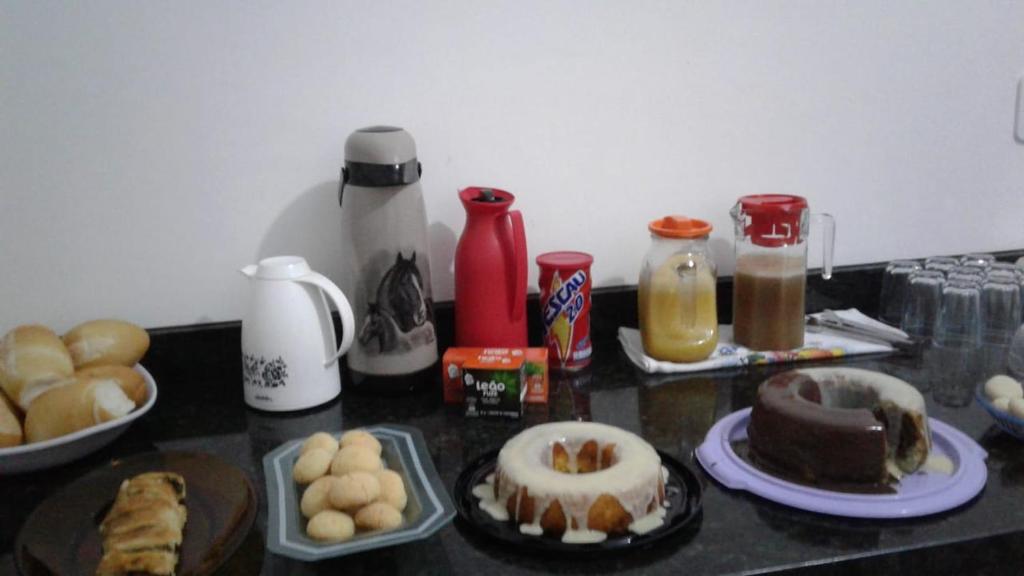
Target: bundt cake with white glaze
[(839, 427), (580, 481)]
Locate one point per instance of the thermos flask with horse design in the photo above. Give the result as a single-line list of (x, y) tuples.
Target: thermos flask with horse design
[(490, 272), (386, 262)]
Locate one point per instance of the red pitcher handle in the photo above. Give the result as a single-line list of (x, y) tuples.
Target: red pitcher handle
[(519, 248)]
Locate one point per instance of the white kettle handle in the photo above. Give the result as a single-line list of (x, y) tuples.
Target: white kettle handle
[(348, 322)]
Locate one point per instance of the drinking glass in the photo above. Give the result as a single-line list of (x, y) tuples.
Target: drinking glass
[(943, 264), (967, 274), (982, 259), (895, 281), (1000, 309), (924, 297), (958, 342), (1003, 274), (1006, 267), (1011, 272), (1015, 358), (959, 320)]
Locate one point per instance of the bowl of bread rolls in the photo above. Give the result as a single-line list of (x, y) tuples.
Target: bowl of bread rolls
[(65, 396)]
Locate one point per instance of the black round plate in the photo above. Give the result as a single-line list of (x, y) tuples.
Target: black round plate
[(683, 492), (61, 536)]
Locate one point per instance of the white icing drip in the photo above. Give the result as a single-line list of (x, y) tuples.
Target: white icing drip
[(495, 509), (634, 478), (888, 388), (893, 469), (650, 522), (484, 491), (531, 529), (939, 465), (583, 536)]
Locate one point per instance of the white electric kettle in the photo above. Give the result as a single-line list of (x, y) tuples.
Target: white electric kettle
[(289, 359)]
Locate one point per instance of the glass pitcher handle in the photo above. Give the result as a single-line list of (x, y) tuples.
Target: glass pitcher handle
[(828, 236)]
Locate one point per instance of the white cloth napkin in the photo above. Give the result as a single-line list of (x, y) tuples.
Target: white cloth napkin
[(858, 317), (818, 345)]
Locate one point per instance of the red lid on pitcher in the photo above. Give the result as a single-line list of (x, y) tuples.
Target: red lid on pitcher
[(772, 219)]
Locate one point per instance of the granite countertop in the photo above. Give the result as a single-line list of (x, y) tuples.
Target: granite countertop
[(200, 408)]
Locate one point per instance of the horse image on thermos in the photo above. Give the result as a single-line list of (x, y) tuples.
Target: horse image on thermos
[(400, 319)]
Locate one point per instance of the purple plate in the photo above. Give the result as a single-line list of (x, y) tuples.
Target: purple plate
[(918, 494)]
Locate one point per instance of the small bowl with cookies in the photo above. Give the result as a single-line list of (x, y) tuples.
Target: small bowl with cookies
[(337, 493), (65, 396), (1002, 397)]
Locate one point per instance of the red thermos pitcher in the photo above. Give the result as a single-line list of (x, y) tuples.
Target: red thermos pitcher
[(490, 272)]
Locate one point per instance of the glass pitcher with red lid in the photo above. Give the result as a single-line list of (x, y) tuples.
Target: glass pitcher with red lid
[(771, 269)]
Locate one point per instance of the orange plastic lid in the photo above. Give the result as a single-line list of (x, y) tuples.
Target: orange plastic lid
[(679, 227)]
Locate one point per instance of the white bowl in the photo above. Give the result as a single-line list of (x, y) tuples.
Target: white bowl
[(64, 449)]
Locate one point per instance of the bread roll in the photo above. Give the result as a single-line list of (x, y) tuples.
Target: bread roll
[(131, 382), (1016, 407), (71, 407), (330, 526), (392, 489), (321, 440), (378, 516), (100, 342), (311, 465), (1002, 385), (354, 490), (360, 438), (355, 459), (11, 433), (315, 498), (32, 360)]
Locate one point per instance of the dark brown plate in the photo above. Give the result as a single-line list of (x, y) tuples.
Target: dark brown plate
[(61, 536)]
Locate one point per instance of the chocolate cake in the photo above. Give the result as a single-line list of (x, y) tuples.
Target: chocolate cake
[(838, 426)]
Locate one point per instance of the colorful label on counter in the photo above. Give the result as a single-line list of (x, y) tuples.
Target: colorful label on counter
[(535, 369), (494, 385), (565, 311)]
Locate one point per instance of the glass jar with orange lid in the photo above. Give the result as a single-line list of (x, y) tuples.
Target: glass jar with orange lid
[(678, 317)]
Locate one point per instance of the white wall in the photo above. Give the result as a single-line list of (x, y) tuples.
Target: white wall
[(150, 149)]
